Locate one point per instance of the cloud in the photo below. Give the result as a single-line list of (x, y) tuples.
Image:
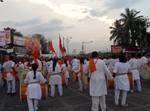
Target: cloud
[(20, 24), (51, 26), (98, 12), (74, 11), (36, 25), (117, 4)]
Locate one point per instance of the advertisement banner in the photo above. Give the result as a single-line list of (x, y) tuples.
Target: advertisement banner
[(7, 36), (2, 39), (19, 41), (116, 49)]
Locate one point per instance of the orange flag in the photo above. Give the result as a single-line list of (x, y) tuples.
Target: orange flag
[(51, 48), (62, 50)]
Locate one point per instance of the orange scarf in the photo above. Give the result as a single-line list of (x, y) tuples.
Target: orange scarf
[(92, 65)]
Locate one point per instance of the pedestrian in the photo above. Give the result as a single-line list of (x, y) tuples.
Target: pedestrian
[(1, 79), (134, 64), (121, 81), (98, 87), (55, 78), (33, 79), (66, 72), (9, 75)]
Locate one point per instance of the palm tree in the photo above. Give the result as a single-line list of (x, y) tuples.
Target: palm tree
[(130, 19), (118, 34), (130, 31)]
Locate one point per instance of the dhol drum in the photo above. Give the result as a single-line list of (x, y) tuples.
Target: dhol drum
[(23, 88), (145, 72), (110, 83), (63, 77)]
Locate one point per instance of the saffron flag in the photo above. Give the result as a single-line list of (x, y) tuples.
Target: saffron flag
[(35, 55), (62, 49), (51, 48)]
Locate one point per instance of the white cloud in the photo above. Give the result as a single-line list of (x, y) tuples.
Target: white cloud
[(73, 11)]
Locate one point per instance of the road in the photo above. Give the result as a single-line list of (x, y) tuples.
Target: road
[(73, 100)]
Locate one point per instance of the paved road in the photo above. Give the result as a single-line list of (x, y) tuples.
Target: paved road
[(76, 101)]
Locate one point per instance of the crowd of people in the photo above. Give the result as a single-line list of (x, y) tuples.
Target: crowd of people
[(93, 73)]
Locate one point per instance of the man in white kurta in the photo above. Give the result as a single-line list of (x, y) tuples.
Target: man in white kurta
[(33, 89), (1, 80), (135, 72), (66, 71), (144, 60), (10, 78), (75, 67), (98, 87), (55, 79), (121, 81)]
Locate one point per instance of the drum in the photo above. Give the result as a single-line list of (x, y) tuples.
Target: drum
[(110, 83), (145, 72), (63, 77), (23, 88), (131, 81)]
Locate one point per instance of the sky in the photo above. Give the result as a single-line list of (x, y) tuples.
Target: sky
[(82, 20)]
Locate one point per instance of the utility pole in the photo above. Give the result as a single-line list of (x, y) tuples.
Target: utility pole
[(84, 46), (67, 40)]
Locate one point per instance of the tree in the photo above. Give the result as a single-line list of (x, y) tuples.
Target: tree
[(130, 29), (44, 43), (118, 34)]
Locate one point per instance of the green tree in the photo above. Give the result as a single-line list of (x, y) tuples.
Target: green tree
[(118, 34), (43, 42), (130, 29)]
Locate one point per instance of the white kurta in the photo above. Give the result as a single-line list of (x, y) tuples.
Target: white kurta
[(144, 60), (1, 80), (121, 81), (134, 68), (98, 79), (56, 78), (8, 65), (34, 89), (65, 70), (49, 66), (75, 65)]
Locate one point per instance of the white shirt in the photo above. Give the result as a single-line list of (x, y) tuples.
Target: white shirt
[(8, 65), (49, 66), (144, 60), (98, 79), (29, 77), (133, 63), (75, 65), (121, 81)]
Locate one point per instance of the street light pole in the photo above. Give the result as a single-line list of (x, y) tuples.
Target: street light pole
[(84, 45), (67, 40)]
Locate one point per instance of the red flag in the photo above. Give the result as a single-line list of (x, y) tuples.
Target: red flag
[(51, 46), (61, 46), (35, 55)]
